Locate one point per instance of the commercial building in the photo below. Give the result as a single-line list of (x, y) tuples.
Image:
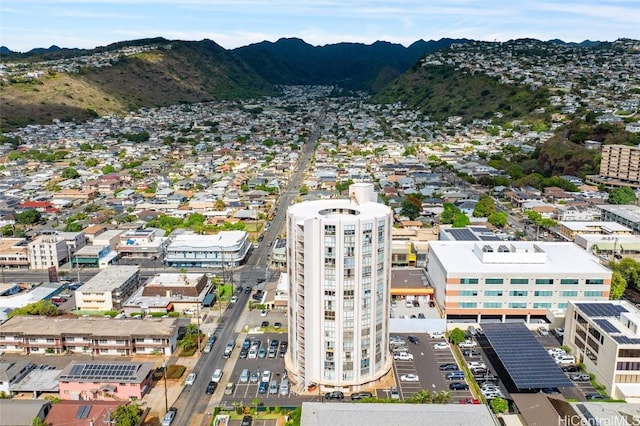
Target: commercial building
[(139, 243), (182, 293), (95, 335), (605, 336), (226, 249), (109, 289), (627, 215), (339, 277), (498, 281)]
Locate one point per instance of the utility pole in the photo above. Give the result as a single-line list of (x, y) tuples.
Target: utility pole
[(164, 373)]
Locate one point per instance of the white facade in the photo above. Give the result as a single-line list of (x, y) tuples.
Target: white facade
[(339, 267), (226, 249), (480, 281), (46, 251), (605, 336), (109, 289)]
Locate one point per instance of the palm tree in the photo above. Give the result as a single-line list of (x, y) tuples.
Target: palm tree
[(441, 397)]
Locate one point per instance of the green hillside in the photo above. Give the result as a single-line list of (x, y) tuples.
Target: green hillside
[(184, 73), (441, 91)]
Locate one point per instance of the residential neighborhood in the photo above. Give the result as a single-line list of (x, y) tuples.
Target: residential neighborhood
[(142, 240)]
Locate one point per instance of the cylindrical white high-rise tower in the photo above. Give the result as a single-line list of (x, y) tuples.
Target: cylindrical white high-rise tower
[(339, 265)]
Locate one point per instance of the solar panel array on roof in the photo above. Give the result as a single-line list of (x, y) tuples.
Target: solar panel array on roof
[(489, 238), (601, 309), (606, 326), (83, 411), (463, 234), (479, 229), (523, 357), (624, 340), (102, 372)]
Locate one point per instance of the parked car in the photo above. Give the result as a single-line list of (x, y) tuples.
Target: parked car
[(595, 397), (273, 387), (559, 332), (334, 395), (413, 339), (455, 375), (217, 375), (255, 376), (277, 325), (403, 356), (416, 303), (191, 379), (262, 352), (284, 387), (244, 376), (168, 418), (543, 331), (246, 343), (448, 367), (234, 299), (243, 353), (262, 387), (470, 352), (230, 388), (458, 386), (409, 378), (361, 395), (467, 344), (436, 334), (247, 421), (580, 377), (266, 376), (395, 394), (211, 387), (441, 345), (570, 368)]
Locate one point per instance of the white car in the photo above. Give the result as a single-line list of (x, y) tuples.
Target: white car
[(436, 334), (441, 345), (191, 379), (217, 375), (403, 356), (266, 376), (234, 299), (543, 331), (409, 378), (467, 344)]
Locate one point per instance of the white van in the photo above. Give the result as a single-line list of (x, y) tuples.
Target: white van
[(565, 359), (244, 376)]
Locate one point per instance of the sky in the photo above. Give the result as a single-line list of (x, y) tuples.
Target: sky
[(28, 24)]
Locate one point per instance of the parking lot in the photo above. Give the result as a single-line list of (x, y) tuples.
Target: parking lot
[(425, 364)]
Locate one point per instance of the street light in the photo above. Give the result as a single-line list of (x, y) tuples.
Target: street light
[(164, 373)]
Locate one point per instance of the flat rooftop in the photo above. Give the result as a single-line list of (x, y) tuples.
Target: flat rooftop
[(110, 278), (343, 414), (107, 327), (524, 257)]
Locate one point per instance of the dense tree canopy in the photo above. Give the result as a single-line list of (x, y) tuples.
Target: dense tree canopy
[(629, 269), (618, 286), (622, 195), (41, 307), (28, 217)]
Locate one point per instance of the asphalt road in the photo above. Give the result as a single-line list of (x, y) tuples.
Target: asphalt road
[(193, 398)]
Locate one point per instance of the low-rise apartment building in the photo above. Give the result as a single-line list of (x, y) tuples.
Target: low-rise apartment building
[(95, 335), (109, 289), (226, 249), (140, 243), (14, 253), (605, 336), (478, 281)]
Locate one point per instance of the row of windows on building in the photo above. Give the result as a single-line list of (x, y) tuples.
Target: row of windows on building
[(525, 293), (538, 281), (522, 305)]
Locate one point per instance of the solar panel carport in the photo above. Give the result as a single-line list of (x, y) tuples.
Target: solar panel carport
[(522, 363)]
